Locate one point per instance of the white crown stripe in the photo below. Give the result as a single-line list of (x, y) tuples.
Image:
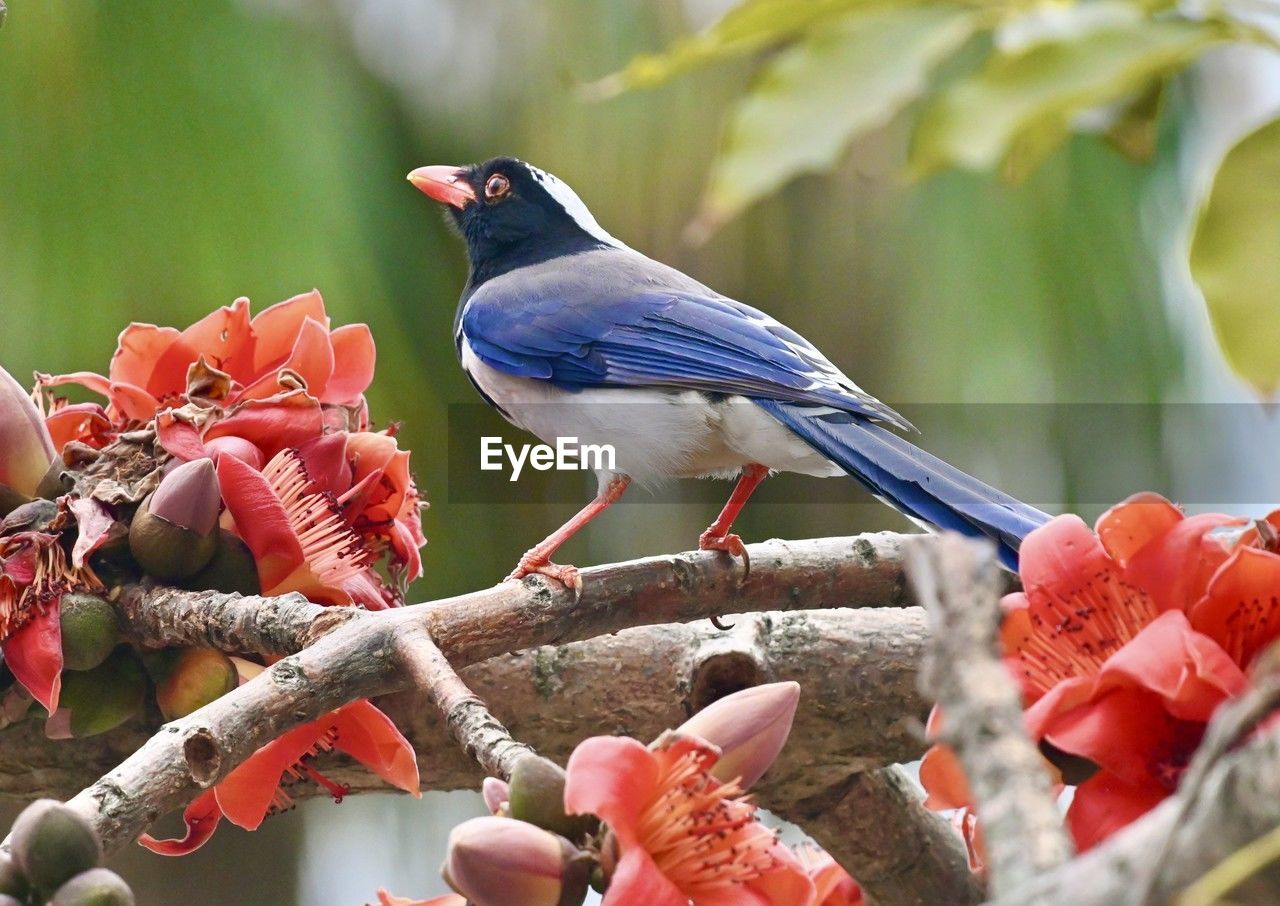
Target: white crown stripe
[(573, 205)]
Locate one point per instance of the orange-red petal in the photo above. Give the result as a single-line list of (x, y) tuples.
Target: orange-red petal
[(371, 738), (354, 355), (1240, 610), (261, 521), (1133, 523), (276, 329), (1104, 804), (33, 654), (613, 777), (201, 817)]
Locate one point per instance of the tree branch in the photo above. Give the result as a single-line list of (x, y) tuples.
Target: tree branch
[(355, 659), (956, 580), (481, 735), (875, 825)]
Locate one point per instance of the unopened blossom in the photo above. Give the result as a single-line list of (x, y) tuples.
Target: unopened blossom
[(749, 727), (496, 861), (26, 450)]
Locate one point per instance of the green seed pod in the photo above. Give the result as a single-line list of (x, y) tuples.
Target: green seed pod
[(95, 701), (89, 631), (96, 887), (232, 569), (52, 843), (197, 677), (537, 796), (12, 881)]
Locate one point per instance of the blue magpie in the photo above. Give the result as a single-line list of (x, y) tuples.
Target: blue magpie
[(571, 334)]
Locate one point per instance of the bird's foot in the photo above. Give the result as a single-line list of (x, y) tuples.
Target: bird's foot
[(532, 563), (730, 544)]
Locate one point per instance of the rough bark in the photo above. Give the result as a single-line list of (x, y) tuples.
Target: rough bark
[(876, 827), (957, 582)]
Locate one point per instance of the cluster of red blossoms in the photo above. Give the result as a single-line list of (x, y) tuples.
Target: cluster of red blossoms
[(263, 424), (1125, 640)]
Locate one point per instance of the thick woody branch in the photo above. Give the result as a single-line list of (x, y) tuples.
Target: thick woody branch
[(859, 708), (876, 826), (957, 582), (355, 659)]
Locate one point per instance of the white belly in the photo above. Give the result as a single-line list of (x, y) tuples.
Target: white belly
[(656, 434)]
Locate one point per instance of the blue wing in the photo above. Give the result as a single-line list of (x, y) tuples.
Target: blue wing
[(631, 322)]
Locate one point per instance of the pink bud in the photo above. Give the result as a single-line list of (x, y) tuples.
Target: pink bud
[(189, 497), (496, 794), (499, 861), (26, 450), (750, 727)]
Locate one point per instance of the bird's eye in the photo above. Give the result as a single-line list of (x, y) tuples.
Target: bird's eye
[(497, 186)]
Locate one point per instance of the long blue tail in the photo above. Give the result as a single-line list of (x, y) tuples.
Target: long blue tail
[(917, 483)]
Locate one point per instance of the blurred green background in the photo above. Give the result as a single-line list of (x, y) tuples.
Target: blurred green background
[(158, 159)]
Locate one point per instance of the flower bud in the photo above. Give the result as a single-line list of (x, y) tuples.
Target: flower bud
[(750, 728), (95, 887), (232, 569), (89, 631), (497, 861), (25, 446), (496, 795), (95, 701), (173, 533), (13, 882), (51, 843), (196, 677), (536, 795)]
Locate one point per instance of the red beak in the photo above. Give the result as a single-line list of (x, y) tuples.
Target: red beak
[(445, 184)]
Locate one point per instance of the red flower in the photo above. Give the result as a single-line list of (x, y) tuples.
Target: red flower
[(299, 538), (288, 346), (676, 834), (34, 575), (256, 788), (1124, 642)]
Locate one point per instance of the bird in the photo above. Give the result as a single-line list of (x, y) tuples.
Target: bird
[(570, 333)]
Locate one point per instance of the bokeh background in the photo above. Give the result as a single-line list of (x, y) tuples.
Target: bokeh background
[(161, 157)]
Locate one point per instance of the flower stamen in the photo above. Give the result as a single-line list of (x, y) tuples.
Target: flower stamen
[(330, 547)]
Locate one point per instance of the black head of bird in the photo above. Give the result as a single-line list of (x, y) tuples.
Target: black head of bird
[(511, 213)]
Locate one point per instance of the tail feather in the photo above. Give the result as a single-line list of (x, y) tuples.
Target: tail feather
[(917, 483)]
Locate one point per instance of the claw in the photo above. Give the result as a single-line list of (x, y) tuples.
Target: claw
[(730, 544), (566, 575)]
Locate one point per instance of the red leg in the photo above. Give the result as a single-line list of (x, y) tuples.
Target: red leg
[(538, 558), (717, 536)]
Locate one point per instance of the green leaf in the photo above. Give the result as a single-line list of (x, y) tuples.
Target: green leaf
[(1234, 257), (1041, 87), (747, 27), (843, 79)]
